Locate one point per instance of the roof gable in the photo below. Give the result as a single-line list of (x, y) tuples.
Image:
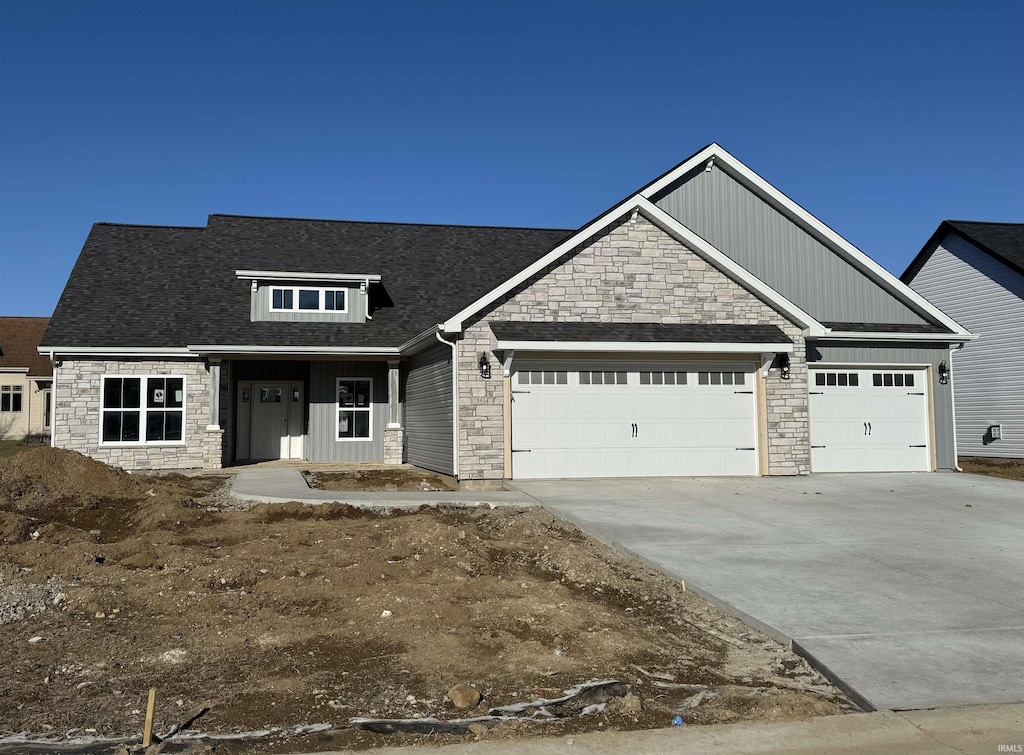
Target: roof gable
[(1002, 241)]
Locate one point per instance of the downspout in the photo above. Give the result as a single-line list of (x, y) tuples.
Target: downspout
[(952, 402), (455, 402)]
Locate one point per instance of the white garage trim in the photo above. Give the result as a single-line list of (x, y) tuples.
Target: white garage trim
[(656, 347)]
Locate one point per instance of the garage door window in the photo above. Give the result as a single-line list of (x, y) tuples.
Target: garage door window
[(721, 378), (662, 378), (603, 378), (841, 379), (893, 379), (543, 377)]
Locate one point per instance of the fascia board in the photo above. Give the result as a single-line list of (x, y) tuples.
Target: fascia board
[(844, 335), (848, 250), (680, 347), (128, 351), (454, 324), (722, 261), (415, 343), (297, 350), (284, 275)]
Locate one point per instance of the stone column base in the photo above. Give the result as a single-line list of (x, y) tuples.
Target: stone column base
[(213, 448), (394, 440)]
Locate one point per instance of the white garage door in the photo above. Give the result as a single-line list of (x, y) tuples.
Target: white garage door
[(873, 420), (634, 421)]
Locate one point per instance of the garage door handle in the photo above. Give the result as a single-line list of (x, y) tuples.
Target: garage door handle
[(923, 445), (746, 448), (816, 393), (819, 446), (515, 392), (522, 450), (915, 393), (742, 391)]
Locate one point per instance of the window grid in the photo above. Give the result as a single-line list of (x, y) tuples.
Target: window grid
[(10, 398), (142, 409), (840, 379), (355, 409), (657, 377), (892, 379), (603, 377), (308, 299), (721, 378), (543, 377)]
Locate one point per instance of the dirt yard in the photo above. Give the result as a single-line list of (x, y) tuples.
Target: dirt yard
[(400, 479), (287, 615), (1009, 469)]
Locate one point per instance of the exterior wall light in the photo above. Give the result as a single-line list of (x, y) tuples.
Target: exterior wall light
[(485, 366), (943, 372), (784, 366)]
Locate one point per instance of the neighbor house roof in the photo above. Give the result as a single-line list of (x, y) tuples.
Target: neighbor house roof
[(1004, 241), (159, 286), (19, 341)]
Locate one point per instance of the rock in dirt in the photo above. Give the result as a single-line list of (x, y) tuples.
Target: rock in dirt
[(464, 696)]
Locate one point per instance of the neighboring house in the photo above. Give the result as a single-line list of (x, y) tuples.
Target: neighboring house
[(25, 378), (974, 272), (705, 325)]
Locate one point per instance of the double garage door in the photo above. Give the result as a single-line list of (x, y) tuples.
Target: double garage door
[(614, 420), (700, 419)]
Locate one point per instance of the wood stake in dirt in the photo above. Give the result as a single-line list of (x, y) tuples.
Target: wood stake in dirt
[(147, 735)]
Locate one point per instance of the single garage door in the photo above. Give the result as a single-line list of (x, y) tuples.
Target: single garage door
[(869, 420), (633, 421)]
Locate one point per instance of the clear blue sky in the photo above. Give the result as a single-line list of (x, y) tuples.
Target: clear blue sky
[(881, 118)]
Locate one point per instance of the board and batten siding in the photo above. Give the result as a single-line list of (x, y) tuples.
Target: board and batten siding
[(863, 356), (428, 411), (260, 305), (986, 297), (777, 250), (323, 412)]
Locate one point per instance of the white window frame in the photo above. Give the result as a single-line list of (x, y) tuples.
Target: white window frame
[(338, 409), (144, 411), (12, 391), (321, 292)]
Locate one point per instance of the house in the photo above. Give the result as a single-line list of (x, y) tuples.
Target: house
[(25, 378), (975, 273), (705, 325)]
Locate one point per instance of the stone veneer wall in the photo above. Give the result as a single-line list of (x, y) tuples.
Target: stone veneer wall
[(77, 414), (634, 272)]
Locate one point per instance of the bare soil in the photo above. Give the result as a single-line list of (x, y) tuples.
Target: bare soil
[(398, 479), (276, 617), (1010, 469)]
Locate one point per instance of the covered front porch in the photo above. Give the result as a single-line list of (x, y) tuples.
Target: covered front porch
[(319, 410)]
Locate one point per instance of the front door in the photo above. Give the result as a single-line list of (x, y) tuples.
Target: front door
[(276, 429)]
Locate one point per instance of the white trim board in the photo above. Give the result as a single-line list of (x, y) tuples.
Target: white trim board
[(843, 335), (272, 275), (775, 197), (654, 347), (297, 350)]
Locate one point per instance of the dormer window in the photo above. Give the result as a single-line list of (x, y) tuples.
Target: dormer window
[(303, 299)]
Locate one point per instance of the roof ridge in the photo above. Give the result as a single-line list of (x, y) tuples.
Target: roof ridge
[(24, 317), (152, 225), (391, 222), (985, 222)]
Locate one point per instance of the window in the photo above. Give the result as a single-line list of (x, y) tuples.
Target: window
[(10, 398), (662, 378), (355, 408), (721, 378), (605, 377), (147, 409), (893, 379), (308, 299), (841, 379), (543, 377)]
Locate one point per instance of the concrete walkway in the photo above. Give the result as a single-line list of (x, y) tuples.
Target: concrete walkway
[(286, 484), (907, 588), (967, 731)]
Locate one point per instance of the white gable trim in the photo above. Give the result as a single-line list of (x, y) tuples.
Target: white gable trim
[(670, 225), (852, 254)]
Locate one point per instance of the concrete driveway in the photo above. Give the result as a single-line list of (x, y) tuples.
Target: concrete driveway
[(909, 588)]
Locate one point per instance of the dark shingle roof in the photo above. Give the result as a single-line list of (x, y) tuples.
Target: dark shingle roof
[(19, 341), (1004, 241), (163, 286), (885, 327), (637, 332)]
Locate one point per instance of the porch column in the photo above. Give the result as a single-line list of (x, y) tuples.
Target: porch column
[(214, 395), (394, 433), (213, 447)]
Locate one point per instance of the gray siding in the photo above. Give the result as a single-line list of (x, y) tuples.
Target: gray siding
[(428, 411), (323, 409), (778, 251), (858, 354), (260, 306), (987, 298)]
